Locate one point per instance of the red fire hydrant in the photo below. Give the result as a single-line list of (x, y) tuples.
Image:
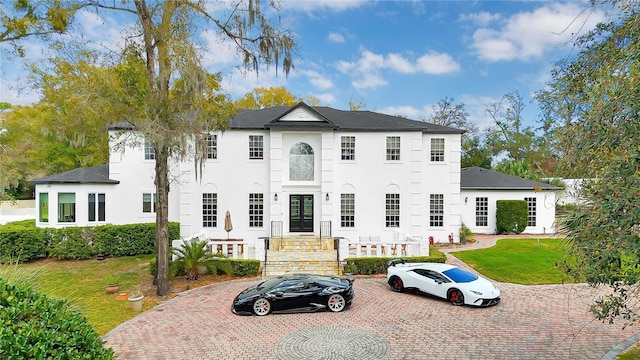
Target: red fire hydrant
[(430, 240)]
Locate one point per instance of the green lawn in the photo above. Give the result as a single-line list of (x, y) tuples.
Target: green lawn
[(83, 284), (519, 261)]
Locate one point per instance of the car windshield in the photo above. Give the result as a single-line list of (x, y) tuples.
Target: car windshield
[(270, 283), (460, 276)]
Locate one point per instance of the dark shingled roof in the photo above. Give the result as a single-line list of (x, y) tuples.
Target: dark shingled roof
[(84, 175), (333, 118), (343, 120), (477, 178)]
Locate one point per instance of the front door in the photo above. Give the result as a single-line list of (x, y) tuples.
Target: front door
[(301, 213)]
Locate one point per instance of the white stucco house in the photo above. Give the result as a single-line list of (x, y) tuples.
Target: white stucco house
[(294, 170)]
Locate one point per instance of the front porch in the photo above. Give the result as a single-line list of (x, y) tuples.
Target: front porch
[(324, 253)]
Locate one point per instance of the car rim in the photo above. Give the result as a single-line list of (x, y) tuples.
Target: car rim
[(261, 307), (456, 297), (336, 303), (396, 284)]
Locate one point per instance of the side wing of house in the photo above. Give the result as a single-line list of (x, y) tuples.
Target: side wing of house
[(479, 209)]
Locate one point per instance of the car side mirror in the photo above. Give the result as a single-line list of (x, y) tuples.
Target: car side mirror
[(279, 294)]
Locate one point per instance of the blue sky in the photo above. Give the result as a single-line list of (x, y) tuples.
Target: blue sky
[(397, 57)]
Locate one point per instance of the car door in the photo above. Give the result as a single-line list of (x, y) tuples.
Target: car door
[(285, 295), (431, 282)]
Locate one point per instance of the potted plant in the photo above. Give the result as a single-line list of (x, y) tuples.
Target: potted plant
[(135, 300), (465, 234), (112, 288)]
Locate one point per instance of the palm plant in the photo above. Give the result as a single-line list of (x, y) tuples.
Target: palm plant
[(194, 258)]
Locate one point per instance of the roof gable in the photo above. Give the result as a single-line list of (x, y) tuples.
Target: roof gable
[(477, 178)]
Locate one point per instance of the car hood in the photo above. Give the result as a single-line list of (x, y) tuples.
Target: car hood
[(484, 286)]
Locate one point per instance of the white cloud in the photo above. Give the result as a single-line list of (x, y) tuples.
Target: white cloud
[(529, 35), (409, 112), (17, 92), (369, 81), (325, 99), (436, 64), (322, 5), (218, 50), (319, 81), (483, 18), (335, 37), (399, 64), (367, 70)]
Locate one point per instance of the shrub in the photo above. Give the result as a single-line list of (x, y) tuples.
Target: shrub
[(22, 242), (378, 265), (72, 243), (194, 258), (511, 216), (37, 327)]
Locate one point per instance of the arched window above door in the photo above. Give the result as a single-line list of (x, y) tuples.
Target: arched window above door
[(301, 162)]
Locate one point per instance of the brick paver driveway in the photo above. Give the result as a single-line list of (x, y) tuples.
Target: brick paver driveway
[(531, 322)]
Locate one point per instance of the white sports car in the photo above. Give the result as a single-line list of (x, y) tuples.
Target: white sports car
[(442, 280)]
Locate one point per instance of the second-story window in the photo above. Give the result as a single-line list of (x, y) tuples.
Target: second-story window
[(393, 148), (149, 150), (211, 143), (256, 147), (437, 149), (348, 146)]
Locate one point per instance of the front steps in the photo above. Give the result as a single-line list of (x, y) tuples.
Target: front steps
[(301, 254)]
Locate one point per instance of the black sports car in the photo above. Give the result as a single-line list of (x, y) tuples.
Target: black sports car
[(295, 293)]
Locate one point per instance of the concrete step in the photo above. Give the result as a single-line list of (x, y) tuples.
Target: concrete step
[(311, 267), (300, 243)]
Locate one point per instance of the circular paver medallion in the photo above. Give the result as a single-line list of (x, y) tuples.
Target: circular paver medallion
[(332, 343)]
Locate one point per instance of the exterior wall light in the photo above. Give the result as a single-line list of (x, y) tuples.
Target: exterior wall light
[(327, 197), (275, 197)]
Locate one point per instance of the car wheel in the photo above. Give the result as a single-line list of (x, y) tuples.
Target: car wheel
[(336, 303), (261, 307), (456, 297), (396, 284)]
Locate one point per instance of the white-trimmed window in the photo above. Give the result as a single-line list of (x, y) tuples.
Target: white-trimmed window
[(96, 207), (436, 210), (301, 162), (211, 144), (531, 211), (256, 147), (482, 211), (392, 210), (348, 147), (148, 202), (437, 150), (347, 210), (43, 203), (209, 210), (256, 210), (66, 207), (149, 150), (393, 148)]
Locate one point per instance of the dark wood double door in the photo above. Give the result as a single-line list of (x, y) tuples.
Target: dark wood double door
[(300, 213)]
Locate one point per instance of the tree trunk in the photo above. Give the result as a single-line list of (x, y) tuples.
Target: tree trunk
[(162, 220)]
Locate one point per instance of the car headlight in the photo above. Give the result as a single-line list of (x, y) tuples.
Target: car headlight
[(476, 292)]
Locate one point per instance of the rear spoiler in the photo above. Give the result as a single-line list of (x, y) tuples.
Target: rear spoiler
[(349, 277), (393, 262)]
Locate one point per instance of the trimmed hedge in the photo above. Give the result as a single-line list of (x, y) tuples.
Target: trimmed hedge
[(378, 265), (511, 216), (33, 326), (239, 267), (24, 242)]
